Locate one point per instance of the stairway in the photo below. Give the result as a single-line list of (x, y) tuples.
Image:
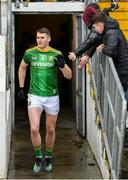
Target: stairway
[(120, 14)]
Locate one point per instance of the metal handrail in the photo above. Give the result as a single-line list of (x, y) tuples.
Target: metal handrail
[(111, 106)]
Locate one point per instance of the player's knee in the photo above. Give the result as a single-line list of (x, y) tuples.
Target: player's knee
[(51, 130), (34, 130)]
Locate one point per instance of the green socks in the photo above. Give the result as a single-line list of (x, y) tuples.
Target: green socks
[(48, 152), (38, 151)]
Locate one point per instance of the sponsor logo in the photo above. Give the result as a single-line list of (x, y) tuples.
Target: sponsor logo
[(42, 64)]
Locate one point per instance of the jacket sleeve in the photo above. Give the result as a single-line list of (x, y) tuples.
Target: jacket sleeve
[(91, 51), (93, 38), (111, 42)]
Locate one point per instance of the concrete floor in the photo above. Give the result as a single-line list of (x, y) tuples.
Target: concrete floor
[(73, 158)]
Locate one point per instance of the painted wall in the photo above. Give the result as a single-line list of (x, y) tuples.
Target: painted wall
[(4, 16), (5, 97), (5, 112)]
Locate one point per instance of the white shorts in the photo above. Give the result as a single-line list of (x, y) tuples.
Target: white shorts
[(49, 104)]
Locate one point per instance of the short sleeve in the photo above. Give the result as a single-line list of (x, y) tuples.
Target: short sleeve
[(60, 53), (26, 57)]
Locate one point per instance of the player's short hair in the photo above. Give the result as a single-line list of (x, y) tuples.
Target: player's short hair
[(44, 30)]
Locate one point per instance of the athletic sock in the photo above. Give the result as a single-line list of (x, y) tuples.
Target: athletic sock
[(48, 152), (38, 151)]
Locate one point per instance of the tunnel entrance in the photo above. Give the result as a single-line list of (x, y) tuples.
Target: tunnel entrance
[(67, 32)]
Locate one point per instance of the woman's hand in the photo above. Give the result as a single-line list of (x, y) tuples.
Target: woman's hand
[(72, 56), (83, 61), (100, 48)]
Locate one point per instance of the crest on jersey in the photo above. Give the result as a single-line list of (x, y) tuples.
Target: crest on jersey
[(50, 58)]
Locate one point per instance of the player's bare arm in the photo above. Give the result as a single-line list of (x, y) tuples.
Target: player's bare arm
[(67, 72), (22, 73)]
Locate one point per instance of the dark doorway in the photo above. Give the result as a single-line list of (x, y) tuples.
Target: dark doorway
[(60, 26)]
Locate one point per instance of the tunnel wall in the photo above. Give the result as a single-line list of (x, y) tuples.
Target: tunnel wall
[(6, 107), (5, 113)]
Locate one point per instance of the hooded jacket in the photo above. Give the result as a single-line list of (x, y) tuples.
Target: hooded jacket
[(90, 44), (116, 48), (93, 38)]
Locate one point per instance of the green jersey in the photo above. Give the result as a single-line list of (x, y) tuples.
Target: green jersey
[(43, 73)]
